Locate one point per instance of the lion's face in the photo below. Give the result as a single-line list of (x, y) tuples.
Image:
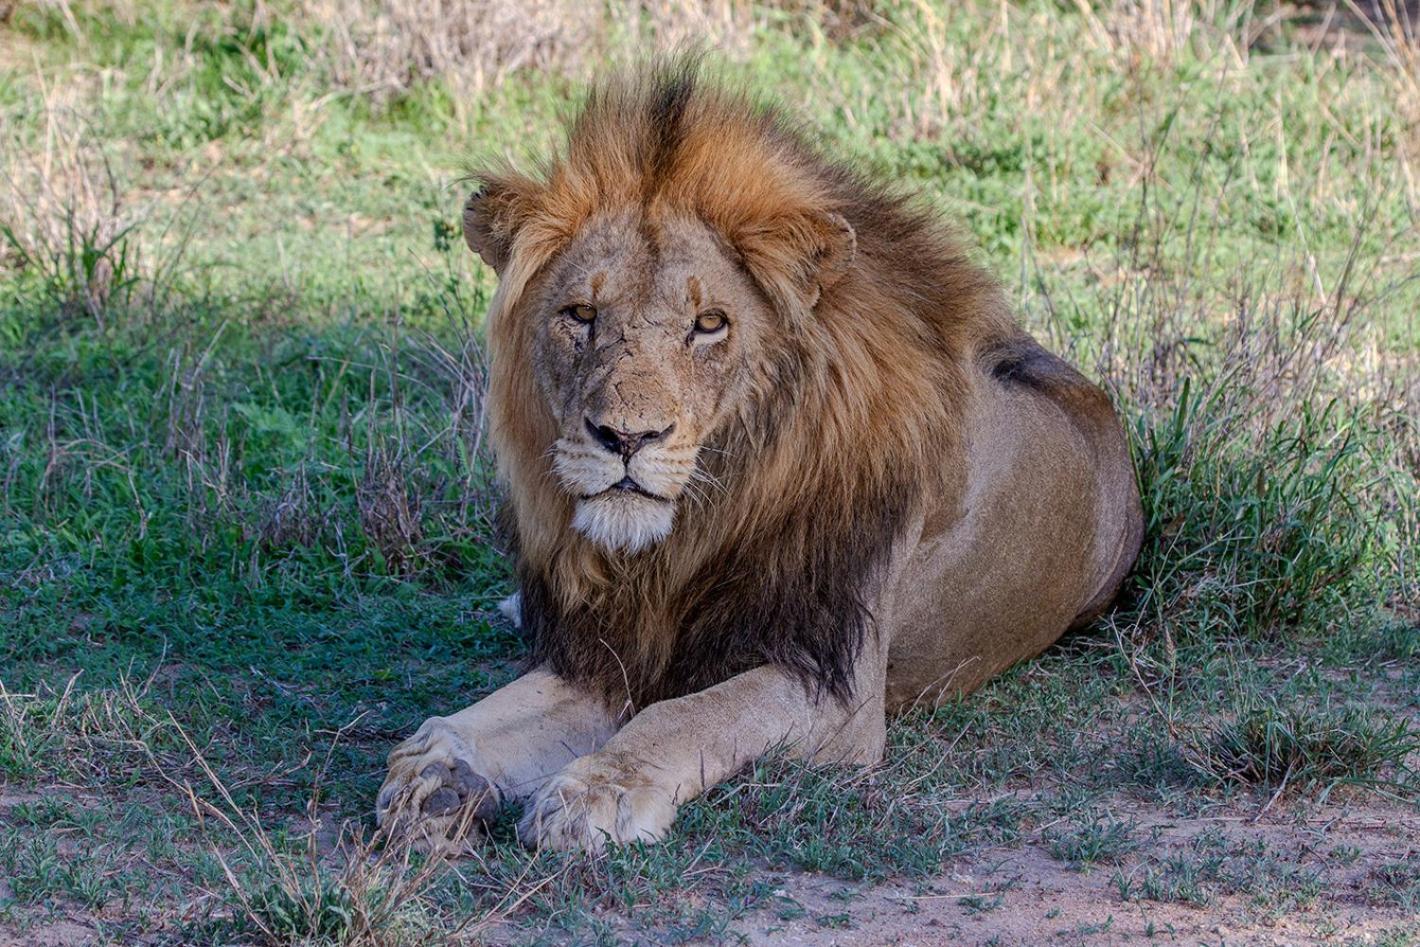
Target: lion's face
[(643, 335)]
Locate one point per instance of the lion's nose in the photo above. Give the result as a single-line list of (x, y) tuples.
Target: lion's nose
[(625, 443)]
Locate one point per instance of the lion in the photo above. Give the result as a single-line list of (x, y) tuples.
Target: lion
[(779, 463)]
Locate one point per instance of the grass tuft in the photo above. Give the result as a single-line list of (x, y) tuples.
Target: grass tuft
[(64, 223), (1300, 748), (1099, 839), (91, 736)]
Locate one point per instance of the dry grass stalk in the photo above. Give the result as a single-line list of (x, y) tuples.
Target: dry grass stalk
[(294, 520), (352, 888), (1394, 27), (84, 735)]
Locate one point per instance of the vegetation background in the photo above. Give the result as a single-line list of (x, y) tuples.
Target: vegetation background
[(244, 493)]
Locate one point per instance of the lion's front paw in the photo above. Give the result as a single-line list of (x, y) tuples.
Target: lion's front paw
[(591, 802), (433, 792)]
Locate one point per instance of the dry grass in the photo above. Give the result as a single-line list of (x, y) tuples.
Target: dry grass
[(389, 509), (338, 884), (84, 735), (1160, 30), (382, 48), (1393, 25), (63, 213), (326, 883)]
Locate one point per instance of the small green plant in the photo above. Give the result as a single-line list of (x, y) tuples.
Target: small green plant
[(1175, 881), (1397, 883), (39, 873), (1212, 864), (318, 910), (1100, 839)]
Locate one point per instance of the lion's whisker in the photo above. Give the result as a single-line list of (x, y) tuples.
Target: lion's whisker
[(702, 475)]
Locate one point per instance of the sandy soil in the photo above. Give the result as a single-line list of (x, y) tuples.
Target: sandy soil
[(1023, 896)]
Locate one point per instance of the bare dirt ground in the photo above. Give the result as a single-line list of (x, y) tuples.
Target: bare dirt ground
[(1324, 886)]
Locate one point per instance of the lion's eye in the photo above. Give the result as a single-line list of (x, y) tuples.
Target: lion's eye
[(586, 315), (710, 322)]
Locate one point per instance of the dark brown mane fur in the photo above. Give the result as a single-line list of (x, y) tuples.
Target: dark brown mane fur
[(856, 423)]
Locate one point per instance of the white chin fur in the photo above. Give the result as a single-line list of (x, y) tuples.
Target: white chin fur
[(624, 523)]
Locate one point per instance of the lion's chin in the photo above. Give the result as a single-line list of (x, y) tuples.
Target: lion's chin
[(623, 522)]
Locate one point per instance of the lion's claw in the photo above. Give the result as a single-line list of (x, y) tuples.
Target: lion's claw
[(442, 801), (474, 790)]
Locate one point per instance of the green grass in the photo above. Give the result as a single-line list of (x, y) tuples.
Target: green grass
[(246, 509), (1274, 746), (1093, 840), (1399, 882), (1214, 865)]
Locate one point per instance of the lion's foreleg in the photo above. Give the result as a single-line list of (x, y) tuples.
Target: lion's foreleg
[(458, 769), (672, 751)]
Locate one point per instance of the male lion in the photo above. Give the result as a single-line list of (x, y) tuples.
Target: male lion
[(779, 462)]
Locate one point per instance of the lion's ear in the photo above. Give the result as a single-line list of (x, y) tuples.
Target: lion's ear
[(798, 259), (492, 216)]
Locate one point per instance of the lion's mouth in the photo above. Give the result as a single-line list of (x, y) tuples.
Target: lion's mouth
[(624, 486)]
